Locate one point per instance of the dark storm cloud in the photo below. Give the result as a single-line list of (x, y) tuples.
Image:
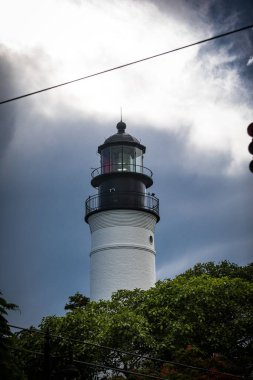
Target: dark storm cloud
[(219, 16), (212, 17), (20, 73), (205, 214), (222, 13), (228, 15), (45, 245), (7, 111)]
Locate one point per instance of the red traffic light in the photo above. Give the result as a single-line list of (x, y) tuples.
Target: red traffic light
[(251, 147), (251, 166), (250, 130), (250, 133)]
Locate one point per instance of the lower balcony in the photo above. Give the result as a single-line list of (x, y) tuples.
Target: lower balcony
[(122, 200)]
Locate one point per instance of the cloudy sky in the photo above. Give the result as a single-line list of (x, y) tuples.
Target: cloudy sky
[(190, 108)]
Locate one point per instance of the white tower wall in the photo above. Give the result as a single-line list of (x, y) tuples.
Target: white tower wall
[(122, 251)]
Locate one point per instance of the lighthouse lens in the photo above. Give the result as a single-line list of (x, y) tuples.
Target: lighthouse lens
[(116, 157), (139, 160), (128, 159), (105, 161), (121, 158)]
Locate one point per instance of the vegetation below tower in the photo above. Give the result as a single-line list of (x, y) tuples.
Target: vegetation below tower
[(199, 326)]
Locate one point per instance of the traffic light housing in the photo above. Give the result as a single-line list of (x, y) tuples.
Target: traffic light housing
[(250, 133)]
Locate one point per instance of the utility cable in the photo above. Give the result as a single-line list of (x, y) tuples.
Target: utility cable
[(129, 63), (96, 365), (103, 366), (108, 348), (177, 364)]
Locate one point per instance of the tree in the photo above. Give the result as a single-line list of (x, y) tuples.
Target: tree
[(201, 318), (8, 368), (213, 314), (222, 269), (75, 301), (4, 328)]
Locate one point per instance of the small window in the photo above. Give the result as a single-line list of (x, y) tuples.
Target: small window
[(151, 239)]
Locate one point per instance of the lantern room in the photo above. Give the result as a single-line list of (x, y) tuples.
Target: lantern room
[(121, 179), (121, 152), (121, 158)]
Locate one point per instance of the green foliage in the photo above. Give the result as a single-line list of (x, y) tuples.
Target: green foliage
[(214, 314), (201, 318), (4, 308), (75, 301), (223, 269), (8, 368)]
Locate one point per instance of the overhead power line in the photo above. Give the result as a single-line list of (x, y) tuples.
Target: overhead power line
[(129, 64), (89, 364), (177, 364)]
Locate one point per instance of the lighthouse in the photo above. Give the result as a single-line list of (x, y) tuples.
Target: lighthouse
[(122, 217)]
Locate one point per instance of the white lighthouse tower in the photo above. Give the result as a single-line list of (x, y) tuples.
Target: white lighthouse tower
[(122, 218)]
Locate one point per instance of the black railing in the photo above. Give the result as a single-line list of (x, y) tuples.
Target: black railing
[(121, 168), (122, 200)]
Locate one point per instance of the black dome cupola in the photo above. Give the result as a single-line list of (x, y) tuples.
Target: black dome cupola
[(121, 126), (122, 179)]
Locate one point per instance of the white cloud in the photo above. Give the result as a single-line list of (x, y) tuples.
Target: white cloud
[(81, 38), (250, 61)]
